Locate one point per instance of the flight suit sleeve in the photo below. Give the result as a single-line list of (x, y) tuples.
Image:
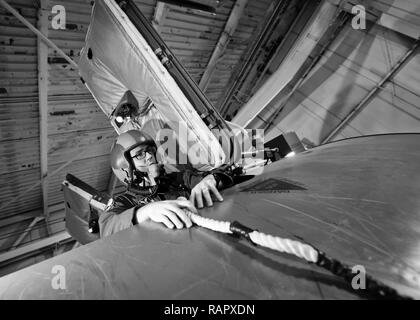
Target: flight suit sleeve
[(121, 217), (223, 177), (187, 178), (116, 220), (193, 177)]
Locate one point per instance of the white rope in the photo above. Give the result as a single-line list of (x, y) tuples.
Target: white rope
[(215, 225), (293, 247), (296, 248)]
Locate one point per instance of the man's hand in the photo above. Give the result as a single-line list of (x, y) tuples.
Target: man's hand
[(170, 213), (203, 190)]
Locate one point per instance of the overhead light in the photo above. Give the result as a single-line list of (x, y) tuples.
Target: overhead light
[(119, 119), (127, 108), (290, 154)]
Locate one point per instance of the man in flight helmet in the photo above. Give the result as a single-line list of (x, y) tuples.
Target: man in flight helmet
[(153, 194)]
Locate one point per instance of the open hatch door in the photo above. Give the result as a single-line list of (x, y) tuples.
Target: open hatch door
[(139, 84)]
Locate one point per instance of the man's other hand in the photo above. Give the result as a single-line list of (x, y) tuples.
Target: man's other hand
[(204, 189), (170, 213)]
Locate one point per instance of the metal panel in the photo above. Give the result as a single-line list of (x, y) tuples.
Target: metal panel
[(352, 67)]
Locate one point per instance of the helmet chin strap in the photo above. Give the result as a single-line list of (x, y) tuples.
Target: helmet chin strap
[(148, 175), (138, 186)]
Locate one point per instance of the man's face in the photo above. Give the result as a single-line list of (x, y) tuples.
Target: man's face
[(145, 161)]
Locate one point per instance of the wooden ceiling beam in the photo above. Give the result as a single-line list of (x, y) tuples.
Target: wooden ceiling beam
[(23, 235), (33, 247), (161, 10), (222, 43), (43, 105)]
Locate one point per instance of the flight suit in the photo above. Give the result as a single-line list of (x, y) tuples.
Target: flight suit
[(170, 187)]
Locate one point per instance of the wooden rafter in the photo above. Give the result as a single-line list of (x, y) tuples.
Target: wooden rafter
[(43, 104), (25, 232), (222, 43), (159, 16), (34, 246), (30, 215)]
